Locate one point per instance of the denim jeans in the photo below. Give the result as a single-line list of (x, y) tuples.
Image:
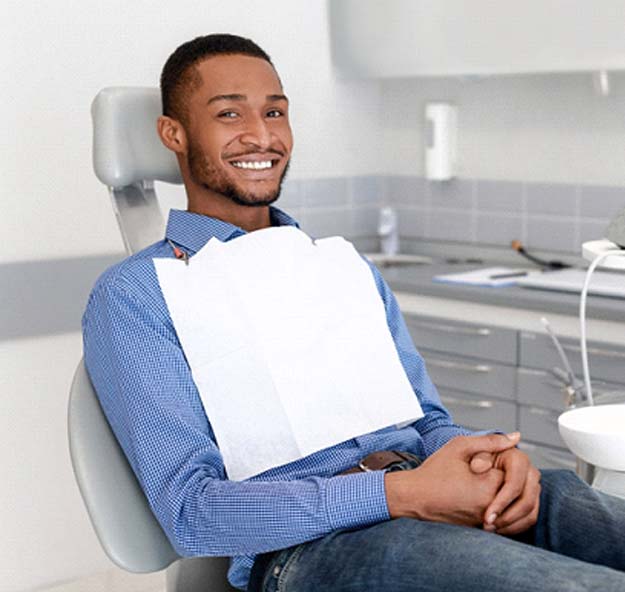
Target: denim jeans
[(578, 543)]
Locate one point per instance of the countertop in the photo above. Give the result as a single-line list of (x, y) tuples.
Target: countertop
[(418, 279), (510, 306)]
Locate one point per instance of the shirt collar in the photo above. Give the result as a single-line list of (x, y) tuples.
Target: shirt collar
[(192, 231)]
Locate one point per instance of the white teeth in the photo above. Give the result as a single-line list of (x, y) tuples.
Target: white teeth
[(252, 164)]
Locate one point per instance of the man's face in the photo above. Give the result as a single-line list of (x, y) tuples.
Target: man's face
[(238, 132)]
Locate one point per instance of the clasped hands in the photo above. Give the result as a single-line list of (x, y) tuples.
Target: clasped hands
[(471, 481)]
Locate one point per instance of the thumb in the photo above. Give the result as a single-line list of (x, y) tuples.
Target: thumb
[(489, 443), (481, 462)]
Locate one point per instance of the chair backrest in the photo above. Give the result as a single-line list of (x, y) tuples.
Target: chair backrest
[(128, 157), (119, 511)]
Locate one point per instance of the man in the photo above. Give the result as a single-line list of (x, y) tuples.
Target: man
[(319, 523)]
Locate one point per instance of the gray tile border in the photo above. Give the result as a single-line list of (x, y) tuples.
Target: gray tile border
[(552, 234), (364, 222), (557, 216), (327, 222), (557, 199), (328, 192), (368, 190), (47, 297), (458, 194), (411, 222), (291, 195), (592, 230), (499, 196), (450, 225), (403, 190), (493, 229), (366, 245), (601, 201)]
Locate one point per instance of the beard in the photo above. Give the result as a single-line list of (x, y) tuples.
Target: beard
[(216, 180)]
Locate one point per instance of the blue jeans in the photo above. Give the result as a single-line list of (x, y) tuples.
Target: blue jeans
[(578, 543)]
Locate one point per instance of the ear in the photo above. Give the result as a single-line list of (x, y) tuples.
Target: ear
[(172, 134)]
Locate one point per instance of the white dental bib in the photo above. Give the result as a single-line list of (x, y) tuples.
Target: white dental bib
[(288, 346)]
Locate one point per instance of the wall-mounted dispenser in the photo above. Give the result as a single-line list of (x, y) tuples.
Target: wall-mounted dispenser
[(441, 131)]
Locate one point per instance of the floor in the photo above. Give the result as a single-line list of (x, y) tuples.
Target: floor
[(114, 580)]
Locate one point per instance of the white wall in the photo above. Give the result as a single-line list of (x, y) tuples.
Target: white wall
[(548, 128), (54, 57)]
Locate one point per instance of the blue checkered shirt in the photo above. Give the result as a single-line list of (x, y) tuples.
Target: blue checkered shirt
[(144, 384)]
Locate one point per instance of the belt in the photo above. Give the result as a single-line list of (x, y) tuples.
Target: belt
[(383, 460)]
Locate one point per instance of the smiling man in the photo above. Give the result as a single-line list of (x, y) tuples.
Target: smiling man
[(423, 505), (227, 121)]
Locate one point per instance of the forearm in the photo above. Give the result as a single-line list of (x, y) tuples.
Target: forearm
[(216, 517)]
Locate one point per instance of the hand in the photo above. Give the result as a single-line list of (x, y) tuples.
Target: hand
[(515, 507), (444, 488)]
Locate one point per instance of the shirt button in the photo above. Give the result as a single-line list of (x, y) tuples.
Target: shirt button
[(276, 571)]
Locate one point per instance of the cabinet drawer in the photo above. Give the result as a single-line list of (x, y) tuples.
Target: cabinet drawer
[(542, 389), (607, 362), (540, 425), (465, 339), (467, 374), (479, 413), (544, 457)]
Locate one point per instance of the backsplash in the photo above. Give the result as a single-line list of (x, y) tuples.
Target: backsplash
[(543, 216)]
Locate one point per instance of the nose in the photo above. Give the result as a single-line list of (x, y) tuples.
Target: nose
[(257, 133)]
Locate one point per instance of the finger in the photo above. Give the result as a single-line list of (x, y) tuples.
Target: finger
[(522, 524), (518, 510), (481, 462), (471, 445), (524, 505), (516, 476)]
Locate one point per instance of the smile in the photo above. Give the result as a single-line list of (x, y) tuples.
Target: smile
[(257, 165)]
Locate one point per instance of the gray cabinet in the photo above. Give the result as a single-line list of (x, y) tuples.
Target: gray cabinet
[(466, 339), (482, 377), (606, 362), (496, 378), (477, 412)]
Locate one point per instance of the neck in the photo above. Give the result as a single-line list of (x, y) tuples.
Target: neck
[(246, 217)]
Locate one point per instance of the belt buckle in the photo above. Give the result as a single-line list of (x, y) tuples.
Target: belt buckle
[(363, 467)]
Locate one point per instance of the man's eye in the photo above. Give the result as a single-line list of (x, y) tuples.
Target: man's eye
[(275, 113), (228, 114)]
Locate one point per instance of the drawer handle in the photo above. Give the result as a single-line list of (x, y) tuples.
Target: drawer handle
[(467, 403), (479, 368), (596, 352), (477, 331)]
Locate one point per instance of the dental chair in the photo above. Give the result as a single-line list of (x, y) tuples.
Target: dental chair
[(128, 157)]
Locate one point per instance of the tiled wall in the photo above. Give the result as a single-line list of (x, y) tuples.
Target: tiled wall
[(544, 216)]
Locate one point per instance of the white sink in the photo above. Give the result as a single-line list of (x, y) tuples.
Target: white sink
[(383, 260), (596, 434)]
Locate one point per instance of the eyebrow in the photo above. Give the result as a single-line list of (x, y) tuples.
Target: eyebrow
[(239, 97)]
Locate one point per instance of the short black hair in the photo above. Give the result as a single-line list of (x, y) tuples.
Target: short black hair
[(179, 76)]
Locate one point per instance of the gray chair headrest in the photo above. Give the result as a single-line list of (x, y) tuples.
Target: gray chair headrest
[(126, 146)]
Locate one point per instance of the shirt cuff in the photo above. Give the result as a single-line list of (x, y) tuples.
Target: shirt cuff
[(356, 500)]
